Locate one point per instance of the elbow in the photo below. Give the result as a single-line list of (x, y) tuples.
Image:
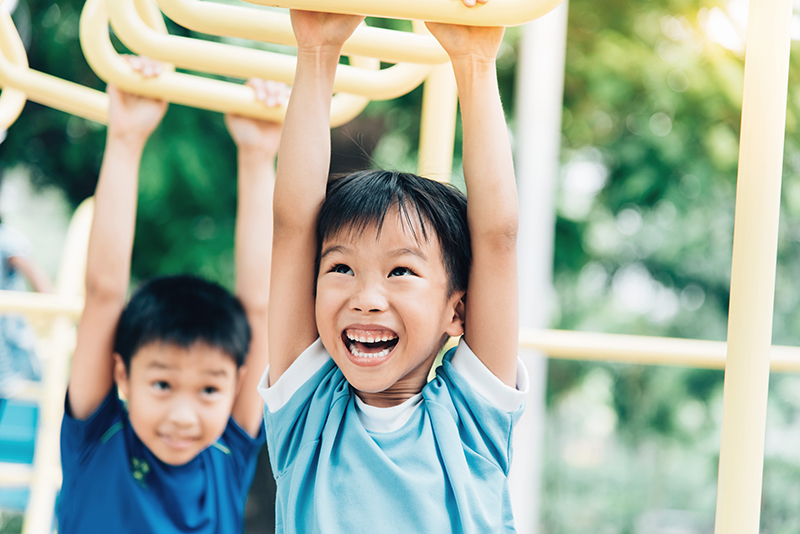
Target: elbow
[(105, 290)]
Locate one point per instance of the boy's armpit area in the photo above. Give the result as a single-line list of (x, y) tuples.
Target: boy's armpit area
[(302, 369), (491, 388)]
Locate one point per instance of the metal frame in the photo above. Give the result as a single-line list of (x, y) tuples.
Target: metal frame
[(231, 60), (494, 13), (275, 27), (44, 475)]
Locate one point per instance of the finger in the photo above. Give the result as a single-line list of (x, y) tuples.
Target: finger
[(469, 3), (482, 1)]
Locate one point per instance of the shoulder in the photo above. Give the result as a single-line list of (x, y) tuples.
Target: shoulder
[(462, 373)]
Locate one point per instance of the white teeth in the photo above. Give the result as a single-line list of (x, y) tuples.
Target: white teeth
[(358, 354), (370, 339)]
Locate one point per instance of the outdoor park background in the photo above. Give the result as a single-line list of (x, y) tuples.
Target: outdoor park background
[(643, 240)]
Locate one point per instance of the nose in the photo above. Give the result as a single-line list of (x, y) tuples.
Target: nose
[(368, 297), (182, 413)]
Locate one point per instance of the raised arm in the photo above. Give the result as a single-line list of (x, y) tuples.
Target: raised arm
[(131, 121), (257, 144), (492, 312), (300, 186)]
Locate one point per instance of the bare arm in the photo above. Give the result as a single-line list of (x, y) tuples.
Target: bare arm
[(300, 186), (257, 143), (36, 276), (131, 121), (492, 311)]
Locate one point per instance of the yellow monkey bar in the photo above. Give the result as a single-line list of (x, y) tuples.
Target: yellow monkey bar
[(43, 88), (185, 89), (494, 13), (230, 60), (274, 27), (11, 100)]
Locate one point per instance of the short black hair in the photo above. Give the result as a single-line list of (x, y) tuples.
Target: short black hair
[(183, 310), (361, 199)]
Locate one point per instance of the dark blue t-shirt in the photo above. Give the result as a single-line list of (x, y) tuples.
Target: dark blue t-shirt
[(113, 483)]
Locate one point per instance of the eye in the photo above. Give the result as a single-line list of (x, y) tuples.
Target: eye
[(342, 269), (160, 385), (401, 271), (210, 390)]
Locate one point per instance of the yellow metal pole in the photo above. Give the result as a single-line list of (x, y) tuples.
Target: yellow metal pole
[(494, 13), (232, 60), (12, 101), (46, 477), (438, 124), (755, 243), (189, 90), (45, 89), (644, 350), (274, 27)]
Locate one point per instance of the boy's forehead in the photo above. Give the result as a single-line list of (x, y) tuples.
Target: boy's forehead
[(166, 355)]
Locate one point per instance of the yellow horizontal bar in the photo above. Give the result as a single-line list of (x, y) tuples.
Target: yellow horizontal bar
[(185, 89), (646, 350), (12, 101), (493, 13), (49, 90), (40, 303), (270, 26), (231, 60)]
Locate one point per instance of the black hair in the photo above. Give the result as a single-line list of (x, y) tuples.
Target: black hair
[(356, 201), (183, 310)]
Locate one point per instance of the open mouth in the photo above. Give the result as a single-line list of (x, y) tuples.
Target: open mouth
[(369, 343)]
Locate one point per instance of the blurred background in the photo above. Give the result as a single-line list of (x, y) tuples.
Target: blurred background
[(645, 203)]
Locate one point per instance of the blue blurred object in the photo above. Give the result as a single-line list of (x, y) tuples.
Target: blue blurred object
[(17, 438)]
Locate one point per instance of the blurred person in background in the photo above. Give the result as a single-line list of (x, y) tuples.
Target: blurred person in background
[(18, 359)]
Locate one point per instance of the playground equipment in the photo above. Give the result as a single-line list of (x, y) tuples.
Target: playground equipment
[(62, 309), (748, 355)]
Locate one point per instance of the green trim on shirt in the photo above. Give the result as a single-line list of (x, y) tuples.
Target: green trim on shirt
[(116, 427), (221, 447)]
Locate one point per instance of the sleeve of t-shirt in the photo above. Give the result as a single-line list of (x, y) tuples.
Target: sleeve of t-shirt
[(297, 405), (80, 439), (243, 449), (484, 408)]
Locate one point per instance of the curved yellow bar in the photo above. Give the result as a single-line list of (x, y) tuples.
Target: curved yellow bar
[(494, 13), (12, 101), (185, 89), (49, 90), (230, 60), (273, 27)]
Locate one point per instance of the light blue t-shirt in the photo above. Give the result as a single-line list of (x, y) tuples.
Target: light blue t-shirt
[(437, 463)]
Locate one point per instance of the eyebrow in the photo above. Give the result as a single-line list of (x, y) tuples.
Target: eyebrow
[(331, 250), (396, 253), (159, 365), (216, 372)]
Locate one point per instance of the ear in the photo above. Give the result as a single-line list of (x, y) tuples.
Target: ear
[(241, 373), (457, 309), (120, 375)]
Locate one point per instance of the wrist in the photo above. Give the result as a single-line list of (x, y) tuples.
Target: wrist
[(135, 140), (254, 152)]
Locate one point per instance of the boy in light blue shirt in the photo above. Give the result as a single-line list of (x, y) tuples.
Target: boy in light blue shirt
[(371, 274)]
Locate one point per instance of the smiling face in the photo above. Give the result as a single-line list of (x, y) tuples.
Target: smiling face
[(383, 308), (179, 399)]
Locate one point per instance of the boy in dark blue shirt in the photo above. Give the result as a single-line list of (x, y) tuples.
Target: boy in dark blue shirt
[(180, 456)]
